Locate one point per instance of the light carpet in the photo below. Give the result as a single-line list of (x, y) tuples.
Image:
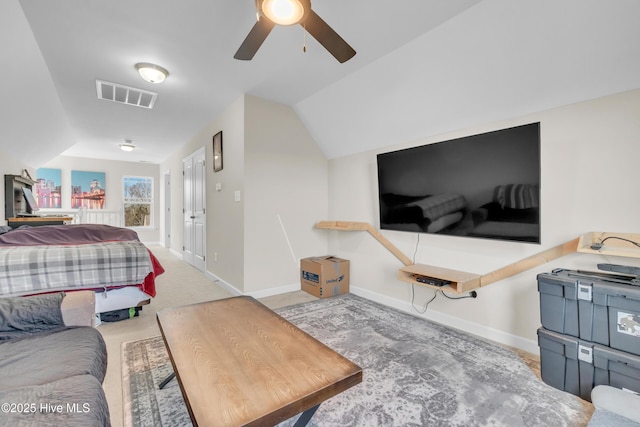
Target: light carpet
[(415, 373)]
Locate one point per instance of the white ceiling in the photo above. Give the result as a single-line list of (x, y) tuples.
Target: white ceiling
[(422, 67)]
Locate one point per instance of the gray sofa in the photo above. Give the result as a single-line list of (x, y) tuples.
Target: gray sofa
[(50, 373)]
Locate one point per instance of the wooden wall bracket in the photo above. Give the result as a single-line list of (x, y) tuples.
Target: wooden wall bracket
[(365, 226), (464, 282), (530, 262)]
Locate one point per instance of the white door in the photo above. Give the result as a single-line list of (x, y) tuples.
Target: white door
[(194, 203)]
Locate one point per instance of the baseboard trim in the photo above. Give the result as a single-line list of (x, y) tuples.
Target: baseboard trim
[(275, 291), (224, 285), (482, 331), (176, 254)]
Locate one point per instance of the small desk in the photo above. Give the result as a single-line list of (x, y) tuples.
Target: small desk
[(36, 221), (239, 363)]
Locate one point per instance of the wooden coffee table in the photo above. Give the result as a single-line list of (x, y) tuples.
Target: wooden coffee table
[(239, 363)]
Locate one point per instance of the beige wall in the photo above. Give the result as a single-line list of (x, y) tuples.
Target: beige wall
[(225, 227), (225, 216), (114, 172), (285, 195), (590, 178), (270, 159)]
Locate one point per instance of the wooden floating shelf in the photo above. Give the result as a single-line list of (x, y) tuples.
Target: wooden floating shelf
[(461, 282), (617, 244)]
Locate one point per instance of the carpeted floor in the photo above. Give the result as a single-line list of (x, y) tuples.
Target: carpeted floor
[(415, 373)]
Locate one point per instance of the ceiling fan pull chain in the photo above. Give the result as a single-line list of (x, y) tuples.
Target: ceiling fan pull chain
[(304, 37)]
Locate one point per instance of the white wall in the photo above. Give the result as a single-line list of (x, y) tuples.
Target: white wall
[(590, 178)]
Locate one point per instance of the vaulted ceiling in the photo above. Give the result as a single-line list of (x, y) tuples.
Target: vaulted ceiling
[(422, 67)]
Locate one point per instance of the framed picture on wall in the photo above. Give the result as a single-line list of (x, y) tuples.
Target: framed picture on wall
[(217, 152), (47, 188), (87, 190)]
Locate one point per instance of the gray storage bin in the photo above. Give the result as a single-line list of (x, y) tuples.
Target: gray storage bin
[(576, 366), (591, 307), (616, 368), (560, 366)]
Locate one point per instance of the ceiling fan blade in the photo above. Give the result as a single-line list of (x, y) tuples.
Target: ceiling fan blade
[(327, 37), (254, 39)]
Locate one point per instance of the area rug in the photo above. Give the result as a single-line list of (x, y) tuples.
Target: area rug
[(415, 373)]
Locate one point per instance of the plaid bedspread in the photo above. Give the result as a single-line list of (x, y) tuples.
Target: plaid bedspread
[(26, 270)]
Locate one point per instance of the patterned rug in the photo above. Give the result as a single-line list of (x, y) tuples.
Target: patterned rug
[(415, 373)]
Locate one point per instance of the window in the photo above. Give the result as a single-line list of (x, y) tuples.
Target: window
[(137, 201)]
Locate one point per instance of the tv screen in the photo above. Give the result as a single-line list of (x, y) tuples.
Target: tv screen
[(485, 186)]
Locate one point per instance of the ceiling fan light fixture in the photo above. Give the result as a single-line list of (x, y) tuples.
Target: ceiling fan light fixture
[(151, 73), (285, 12)]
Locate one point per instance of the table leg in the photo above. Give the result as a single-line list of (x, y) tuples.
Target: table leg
[(166, 380), (306, 416)]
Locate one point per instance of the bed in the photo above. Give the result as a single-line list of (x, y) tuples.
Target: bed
[(430, 213), (108, 260)]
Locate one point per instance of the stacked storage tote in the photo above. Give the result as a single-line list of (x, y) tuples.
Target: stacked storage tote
[(590, 332)]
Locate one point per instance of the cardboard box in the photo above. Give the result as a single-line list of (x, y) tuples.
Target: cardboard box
[(324, 276)]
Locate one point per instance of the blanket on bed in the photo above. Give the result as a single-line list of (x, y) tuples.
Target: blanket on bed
[(26, 270), (78, 236), (71, 234)]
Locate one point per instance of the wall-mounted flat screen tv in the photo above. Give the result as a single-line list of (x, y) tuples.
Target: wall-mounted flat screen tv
[(485, 186)]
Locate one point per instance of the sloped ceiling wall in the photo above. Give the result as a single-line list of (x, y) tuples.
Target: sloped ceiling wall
[(24, 118), (496, 60)]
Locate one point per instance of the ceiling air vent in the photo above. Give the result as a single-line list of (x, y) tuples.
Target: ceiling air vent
[(125, 94)]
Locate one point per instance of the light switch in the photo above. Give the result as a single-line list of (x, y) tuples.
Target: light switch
[(218, 186), (236, 196)]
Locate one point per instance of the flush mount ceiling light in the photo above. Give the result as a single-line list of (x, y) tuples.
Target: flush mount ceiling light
[(127, 145), (151, 72)]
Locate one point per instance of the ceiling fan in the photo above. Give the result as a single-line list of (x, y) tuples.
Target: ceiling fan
[(290, 12)]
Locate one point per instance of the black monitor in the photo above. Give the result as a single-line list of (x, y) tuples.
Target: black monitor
[(32, 205)]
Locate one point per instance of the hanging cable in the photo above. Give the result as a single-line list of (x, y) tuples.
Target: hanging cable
[(599, 245), (426, 304), (416, 249), (472, 294)]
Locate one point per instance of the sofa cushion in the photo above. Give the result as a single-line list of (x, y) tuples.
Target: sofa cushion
[(49, 356), (25, 315), (74, 401)]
